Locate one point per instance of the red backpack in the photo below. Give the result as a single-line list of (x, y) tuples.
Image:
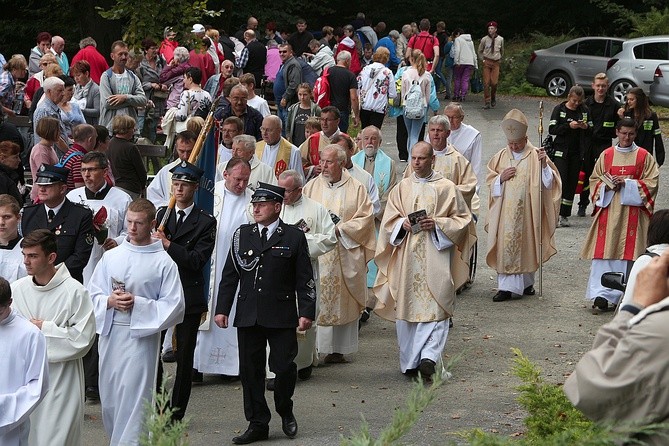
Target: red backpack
[(322, 89)]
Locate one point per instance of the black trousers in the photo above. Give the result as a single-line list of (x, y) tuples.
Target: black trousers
[(252, 353), (401, 137), (91, 362), (368, 117), (569, 166), (186, 338), (589, 160)]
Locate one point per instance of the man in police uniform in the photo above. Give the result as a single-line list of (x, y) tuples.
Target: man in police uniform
[(188, 237), (269, 260), (71, 222)]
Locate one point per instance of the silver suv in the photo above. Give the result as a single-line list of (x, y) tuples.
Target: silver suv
[(635, 64), (574, 62)]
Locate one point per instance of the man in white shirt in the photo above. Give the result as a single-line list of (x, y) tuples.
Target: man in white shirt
[(159, 191)]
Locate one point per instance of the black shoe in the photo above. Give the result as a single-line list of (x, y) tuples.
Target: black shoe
[(493, 102), (289, 425), (251, 436), (581, 211), (229, 378), (426, 368), (411, 373), (529, 291), (269, 385), (305, 373), (169, 356), (366, 313), (92, 394), (450, 323), (601, 304), (501, 296), (197, 377)]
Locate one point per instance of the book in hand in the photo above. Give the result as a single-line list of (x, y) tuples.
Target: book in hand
[(118, 285), (415, 218), (335, 218), (302, 226), (608, 180)]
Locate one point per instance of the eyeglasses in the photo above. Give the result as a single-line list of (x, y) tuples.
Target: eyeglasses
[(265, 129), (90, 169)]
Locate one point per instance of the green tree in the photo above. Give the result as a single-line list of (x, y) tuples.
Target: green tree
[(143, 18)]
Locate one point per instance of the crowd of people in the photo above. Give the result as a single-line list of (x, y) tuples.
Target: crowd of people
[(310, 229)]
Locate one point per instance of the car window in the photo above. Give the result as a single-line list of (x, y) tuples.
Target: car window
[(653, 50), (615, 46), (591, 48)]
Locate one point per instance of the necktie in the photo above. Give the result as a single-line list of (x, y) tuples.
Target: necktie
[(180, 220), (263, 236), (51, 215)]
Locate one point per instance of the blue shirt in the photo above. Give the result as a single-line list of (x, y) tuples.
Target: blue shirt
[(387, 42)]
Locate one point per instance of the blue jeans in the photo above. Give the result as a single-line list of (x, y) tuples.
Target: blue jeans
[(282, 113), (448, 74), (439, 75), (343, 120), (413, 131)]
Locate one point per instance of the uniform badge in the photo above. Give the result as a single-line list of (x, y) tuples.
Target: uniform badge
[(311, 283), (250, 253), (57, 231), (89, 239)]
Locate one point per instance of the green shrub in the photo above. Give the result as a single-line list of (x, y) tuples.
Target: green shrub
[(516, 58), (159, 429)]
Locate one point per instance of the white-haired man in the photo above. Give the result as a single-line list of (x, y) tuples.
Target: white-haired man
[(343, 288)]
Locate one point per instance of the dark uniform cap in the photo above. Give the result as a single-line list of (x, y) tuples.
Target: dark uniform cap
[(268, 192), (48, 174), (185, 171)]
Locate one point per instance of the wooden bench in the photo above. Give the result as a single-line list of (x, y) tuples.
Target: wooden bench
[(149, 150)]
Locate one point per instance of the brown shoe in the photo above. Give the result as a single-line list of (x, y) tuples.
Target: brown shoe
[(335, 358)]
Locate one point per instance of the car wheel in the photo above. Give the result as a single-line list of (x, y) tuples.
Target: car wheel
[(620, 88), (558, 84)]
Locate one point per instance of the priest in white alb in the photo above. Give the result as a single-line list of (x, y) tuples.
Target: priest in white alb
[(517, 174), (415, 255), (244, 147), (62, 309), (624, 187), (159, 190), (137, 294), (11, 259), (96, 193), (216, 351), (465, 138), (312, 218), (343, 281), (24, 373)]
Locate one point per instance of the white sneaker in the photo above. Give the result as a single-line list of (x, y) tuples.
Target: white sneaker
[(563, 222)]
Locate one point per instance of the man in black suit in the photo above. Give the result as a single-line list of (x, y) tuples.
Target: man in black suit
[(71, 222), (188, 237), (269, 260)]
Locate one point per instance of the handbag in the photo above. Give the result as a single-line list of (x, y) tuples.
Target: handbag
[(476, 82)]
